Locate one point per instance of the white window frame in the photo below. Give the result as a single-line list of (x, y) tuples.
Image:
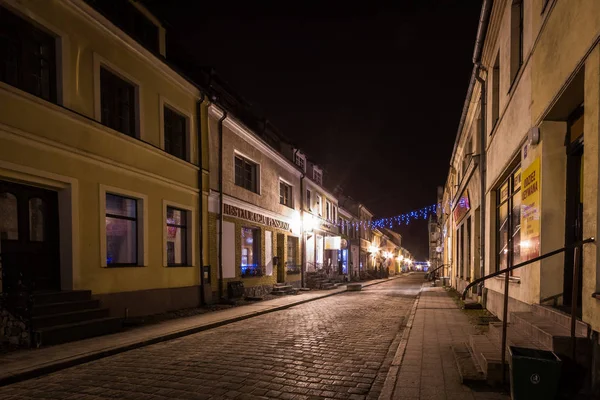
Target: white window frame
[(318, 173), (328, 210), (101, 62), (191, 230), (190, 141), (303, 158), (237, 153), (142, 224), (320, 205), (281, 180)]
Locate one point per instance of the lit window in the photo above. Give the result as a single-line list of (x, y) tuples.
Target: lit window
[(285, 194), (291, 264), (328, 213), (121, 230), (251, 253), (177, 237), (508, 220)]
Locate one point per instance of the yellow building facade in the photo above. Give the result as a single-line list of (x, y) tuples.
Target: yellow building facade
[(104, 148)]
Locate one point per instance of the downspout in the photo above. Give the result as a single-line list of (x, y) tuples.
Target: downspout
[(302, 235), (359, 241), (482, 181), (220, 128), (201, 193)]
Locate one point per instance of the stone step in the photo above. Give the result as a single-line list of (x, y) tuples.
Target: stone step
[(468, 370), (44, 321), (487, 356), (543, 330), (61, 296), (77, 331), (326, 286), (513, 337), (560, 318), (282, 288), (64, 307)]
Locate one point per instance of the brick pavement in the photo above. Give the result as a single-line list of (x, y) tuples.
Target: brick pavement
[(336, 347), (428, 370)]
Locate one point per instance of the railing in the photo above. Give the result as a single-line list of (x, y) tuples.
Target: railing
[(578, 246), (429, 273), (17, 290)]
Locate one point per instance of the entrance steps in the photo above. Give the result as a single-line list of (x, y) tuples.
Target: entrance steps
[(479, 359), (65, 316), (282, 289), (320, 280)]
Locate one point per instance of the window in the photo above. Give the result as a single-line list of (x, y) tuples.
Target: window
[(468, 153), (251, 253), (516, 38), (246, 174), (285, 194), (300, 162), (508, 218), (121, 230), (318, 177), (496, 91), (334, 214), (177, 234), (175, 127), (117, 103), (291, 262), (27, 56), (328, 210), (9, 224), (308, 203), (319, 201)]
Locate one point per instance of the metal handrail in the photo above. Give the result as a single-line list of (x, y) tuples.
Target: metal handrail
[(441, 266), (578, 246)]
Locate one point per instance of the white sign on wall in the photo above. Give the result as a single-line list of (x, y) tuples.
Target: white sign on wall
[(269, 252)]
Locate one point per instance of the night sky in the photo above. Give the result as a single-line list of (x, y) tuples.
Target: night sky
[(372, 93)]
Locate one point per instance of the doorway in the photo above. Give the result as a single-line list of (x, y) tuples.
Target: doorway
[(280, 258), (574, 204), (29, 240)]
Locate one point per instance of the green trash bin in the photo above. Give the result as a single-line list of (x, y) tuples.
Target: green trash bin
[(534, 374)]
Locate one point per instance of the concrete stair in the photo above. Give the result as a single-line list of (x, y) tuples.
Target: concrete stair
[(319, 280), (65, 316), (541, 328), (283, 289)]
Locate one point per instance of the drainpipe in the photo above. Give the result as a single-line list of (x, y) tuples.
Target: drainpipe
[(302, 234), (201, 194), (220, 128), (359, 242), (482, 179)]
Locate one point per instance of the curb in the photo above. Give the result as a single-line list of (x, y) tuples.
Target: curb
[(390, 381), (83, 359)]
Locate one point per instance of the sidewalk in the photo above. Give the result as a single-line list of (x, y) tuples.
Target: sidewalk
[(428, 369), (26, 364)]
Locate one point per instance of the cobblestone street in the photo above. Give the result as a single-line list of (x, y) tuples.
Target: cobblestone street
[(337, 347)]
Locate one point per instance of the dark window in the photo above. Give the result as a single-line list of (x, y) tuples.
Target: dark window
[(175, 133), (127, 17), (246, 174), (291, 261), (516, 38), (318, 177), (121, 230), (117, 102), (308, 204), (496, 92), (300, 162), (177, 237), (251, 253), (508, 222), (27, 56), (285, 194)]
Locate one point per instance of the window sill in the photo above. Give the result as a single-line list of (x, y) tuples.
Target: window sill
[(179, 266), (124, 266)]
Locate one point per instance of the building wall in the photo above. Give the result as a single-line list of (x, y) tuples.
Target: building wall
[(65, 148)]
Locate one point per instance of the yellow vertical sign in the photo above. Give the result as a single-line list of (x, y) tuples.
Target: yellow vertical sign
[(530, 211)]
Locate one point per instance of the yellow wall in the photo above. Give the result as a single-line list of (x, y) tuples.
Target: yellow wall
[(66, 141)]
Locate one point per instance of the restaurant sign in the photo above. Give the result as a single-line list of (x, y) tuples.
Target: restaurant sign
[(462, 207), (255, 217)]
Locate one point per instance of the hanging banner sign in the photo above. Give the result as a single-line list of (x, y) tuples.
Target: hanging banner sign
[(530, 211), (462, 207)]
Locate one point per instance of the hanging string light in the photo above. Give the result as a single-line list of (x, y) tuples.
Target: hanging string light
[(390, 222)]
